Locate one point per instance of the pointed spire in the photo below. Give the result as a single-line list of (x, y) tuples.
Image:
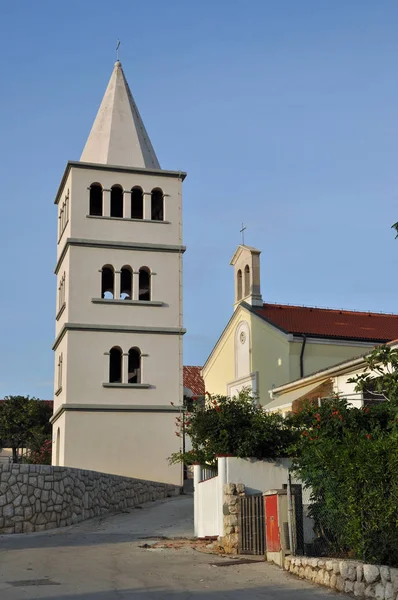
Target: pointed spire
[(118, 136)]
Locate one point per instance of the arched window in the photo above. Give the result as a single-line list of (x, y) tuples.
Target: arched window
[(96, 199), (126, 283), (145, 284), (239, 285), (116, 201), (115, 365), (137, 203), (157, 205), (108, 282), (134, 365), (247, 280)]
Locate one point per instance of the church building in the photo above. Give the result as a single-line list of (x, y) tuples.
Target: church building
[(119, 329), (264, 345)]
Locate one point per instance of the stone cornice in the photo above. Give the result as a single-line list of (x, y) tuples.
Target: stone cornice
[(114, 408), (116, 328), (118, 246), (116, 169)]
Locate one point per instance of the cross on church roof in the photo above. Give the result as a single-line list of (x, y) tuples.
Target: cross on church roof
[(242, 231)]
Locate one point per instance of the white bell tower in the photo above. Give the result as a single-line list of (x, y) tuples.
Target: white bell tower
[(118, 344), (246, 263)]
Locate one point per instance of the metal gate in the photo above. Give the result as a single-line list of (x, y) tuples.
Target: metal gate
[(251, 525)]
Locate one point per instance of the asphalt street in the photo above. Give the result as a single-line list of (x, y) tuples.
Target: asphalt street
[(103, 559)]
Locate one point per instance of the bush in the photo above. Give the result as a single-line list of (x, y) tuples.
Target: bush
[(349, 459), (42, 456), (237, 426)]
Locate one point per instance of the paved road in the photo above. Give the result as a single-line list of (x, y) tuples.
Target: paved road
[(102, 560)]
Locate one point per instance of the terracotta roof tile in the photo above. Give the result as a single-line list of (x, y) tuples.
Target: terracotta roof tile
[(193, 380), (328, 323)]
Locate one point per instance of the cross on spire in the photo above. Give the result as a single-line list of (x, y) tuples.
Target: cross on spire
[(117, 49), (242, 231)]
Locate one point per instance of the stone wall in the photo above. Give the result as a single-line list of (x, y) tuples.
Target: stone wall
[(230, 541), (39, 497), (353, 577)]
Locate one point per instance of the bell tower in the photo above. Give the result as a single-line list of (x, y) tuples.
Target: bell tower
[(118, 343), (246, 263)]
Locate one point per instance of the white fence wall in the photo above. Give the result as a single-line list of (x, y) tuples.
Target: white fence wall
[(208, 503), (258, 475)]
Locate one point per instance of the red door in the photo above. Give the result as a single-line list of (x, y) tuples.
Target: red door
[(271, 524)]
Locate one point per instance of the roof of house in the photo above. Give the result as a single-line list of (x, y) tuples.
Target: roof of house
[(330, 323), (193, 380)]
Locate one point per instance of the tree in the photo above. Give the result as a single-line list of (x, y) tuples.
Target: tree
[(237, 426), (24, 423), (380, 376), (348, 458)]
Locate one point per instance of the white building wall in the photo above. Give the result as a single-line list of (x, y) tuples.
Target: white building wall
[(88, 368), (132, 444), (258, 475), (84, 283), (347, 390), (111, 229)]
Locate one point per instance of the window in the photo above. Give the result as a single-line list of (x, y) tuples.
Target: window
[(63, 215), (134, 375), (373, 393), (144, 284), (115, 365), (61, 292), (59, 378), (239, 285), (157, 205), (137, 203), (126, 283), (247, 280), (108, 282), (96, 199), (116, 201)]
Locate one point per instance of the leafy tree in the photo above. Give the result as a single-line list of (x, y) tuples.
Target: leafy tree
[(380, 376), (348, 458), (24, 423), (237, 426)]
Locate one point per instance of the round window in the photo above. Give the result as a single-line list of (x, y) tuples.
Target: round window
[(242, 337)]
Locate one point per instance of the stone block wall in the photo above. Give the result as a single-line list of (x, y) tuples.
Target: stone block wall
[(40, 497), (353, 577), (230, 541)]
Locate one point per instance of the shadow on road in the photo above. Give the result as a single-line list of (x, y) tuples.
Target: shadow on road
[(157, 593), (62, 539)]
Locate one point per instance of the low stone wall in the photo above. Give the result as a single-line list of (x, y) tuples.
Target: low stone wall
[(39, 497), (230, 541), (353, 577)]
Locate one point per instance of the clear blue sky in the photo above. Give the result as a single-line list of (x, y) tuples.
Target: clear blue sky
[(284, 114)]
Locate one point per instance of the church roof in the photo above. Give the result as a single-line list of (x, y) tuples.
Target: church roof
[(329, 323), (118, 135), (193, 380)]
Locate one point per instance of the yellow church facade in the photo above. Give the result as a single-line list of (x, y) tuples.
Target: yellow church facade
[(264, 346)]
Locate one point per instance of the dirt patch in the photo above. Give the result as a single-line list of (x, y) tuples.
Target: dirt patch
[(204, 546)]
